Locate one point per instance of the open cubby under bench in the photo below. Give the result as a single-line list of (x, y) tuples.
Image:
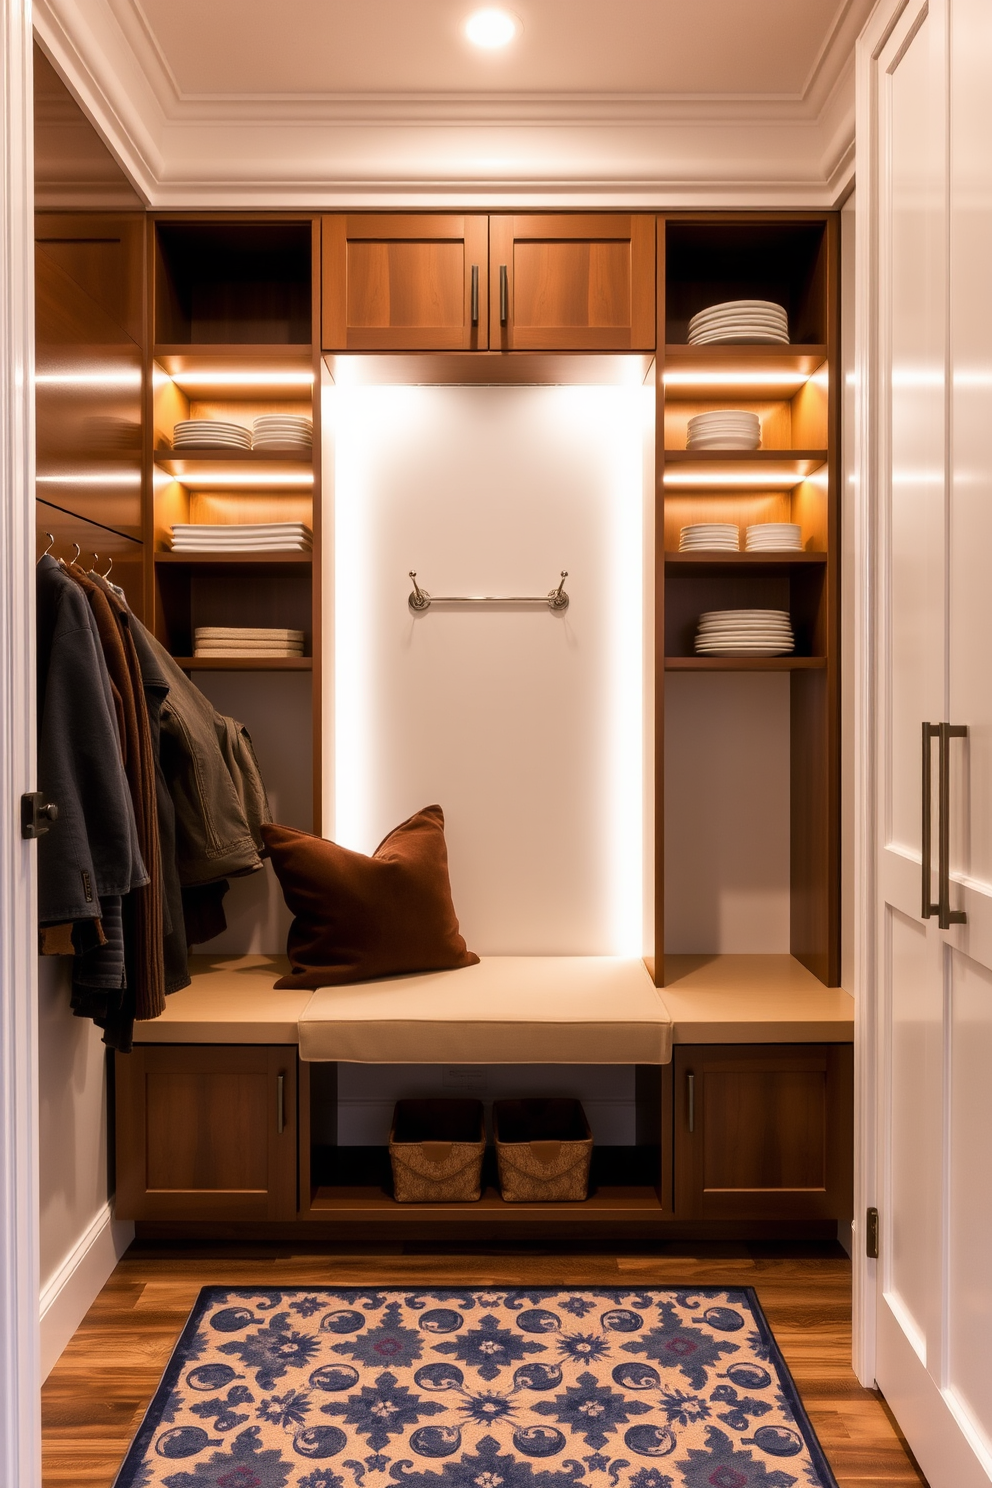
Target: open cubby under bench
[(226, 1108)]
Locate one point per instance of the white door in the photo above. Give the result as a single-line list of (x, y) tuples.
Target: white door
[(932, 392)]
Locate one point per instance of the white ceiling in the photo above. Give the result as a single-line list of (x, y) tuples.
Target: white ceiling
[(329, 102)]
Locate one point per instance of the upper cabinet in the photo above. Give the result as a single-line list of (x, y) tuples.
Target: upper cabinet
[(393, 282), (561, 282)]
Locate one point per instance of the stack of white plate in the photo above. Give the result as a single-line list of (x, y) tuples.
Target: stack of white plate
[(774, 537), (210, 434), (241, 537), (724, 428), (760, 321), (229, 640), (707, 536), (744, 633), (277, 432)]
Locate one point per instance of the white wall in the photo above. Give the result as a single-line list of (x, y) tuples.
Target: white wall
[(526, 726), (79, 1242)]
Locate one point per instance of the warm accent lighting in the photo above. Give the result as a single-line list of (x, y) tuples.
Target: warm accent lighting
[(194, 382), (718, 480), (706, 379), (491, 29), (236, 477)]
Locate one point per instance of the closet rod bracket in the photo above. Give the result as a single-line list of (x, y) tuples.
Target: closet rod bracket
[(420, 600)]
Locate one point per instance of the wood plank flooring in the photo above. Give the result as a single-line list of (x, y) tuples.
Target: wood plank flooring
[(95, 1397)]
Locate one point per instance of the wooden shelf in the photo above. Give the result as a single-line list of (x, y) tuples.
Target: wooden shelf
[(606, 1204), (244, 663), (692, 373), (745, 663), (237, 470), (264, 559), (748, 561), (263, 372), (733, 472)]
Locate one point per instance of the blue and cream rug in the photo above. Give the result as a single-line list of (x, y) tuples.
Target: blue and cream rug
[(325, 1388)]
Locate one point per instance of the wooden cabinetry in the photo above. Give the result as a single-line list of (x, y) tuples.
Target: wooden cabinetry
[(548, 282), (792, 260), (763, 1131), (206, 1132), (235, 310), (563, 282), (394, 282)]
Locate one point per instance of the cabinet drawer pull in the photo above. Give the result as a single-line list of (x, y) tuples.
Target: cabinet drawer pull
[(475, 294), (504, 295), (280, 1104), (947, 916), (928, 908), (690, 1085)]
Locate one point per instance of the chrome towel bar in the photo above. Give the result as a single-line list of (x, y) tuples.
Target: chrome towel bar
[(420, 600)]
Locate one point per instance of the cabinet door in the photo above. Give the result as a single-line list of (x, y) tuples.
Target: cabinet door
[(763, 1131), (206, 1132), (572, 283), (404, 283)]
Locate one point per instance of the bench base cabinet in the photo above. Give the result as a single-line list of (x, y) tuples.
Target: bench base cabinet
[(751, 1134), (764, 1131), (206, 1132)]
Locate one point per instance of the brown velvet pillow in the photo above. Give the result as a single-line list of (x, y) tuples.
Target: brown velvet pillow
[(359, 918)]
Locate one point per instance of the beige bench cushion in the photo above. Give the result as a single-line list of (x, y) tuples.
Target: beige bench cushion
[(506, 1010)]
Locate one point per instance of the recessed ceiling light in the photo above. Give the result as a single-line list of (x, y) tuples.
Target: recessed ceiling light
[(491, 29)]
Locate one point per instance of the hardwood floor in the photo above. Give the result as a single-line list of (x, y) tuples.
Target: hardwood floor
[(95, 1397)]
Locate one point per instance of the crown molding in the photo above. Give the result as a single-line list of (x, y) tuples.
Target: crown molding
[(454, 149)]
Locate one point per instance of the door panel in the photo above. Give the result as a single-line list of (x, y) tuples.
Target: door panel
[(404, 282), (206, 1132), (969, 1200), (911, 1230), (572, 282), (763, 1131)]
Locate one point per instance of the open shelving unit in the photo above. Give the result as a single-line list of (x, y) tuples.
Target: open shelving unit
[(235, 307), (792, 259)]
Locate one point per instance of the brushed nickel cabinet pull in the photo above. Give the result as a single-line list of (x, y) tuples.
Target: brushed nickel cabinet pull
[(690, 1083), (475, 294), (280, 1104), (930, 731), (504, 295), (946, 915)]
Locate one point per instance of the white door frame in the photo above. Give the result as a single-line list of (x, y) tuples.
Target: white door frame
[(20, 1433), (868, 454)]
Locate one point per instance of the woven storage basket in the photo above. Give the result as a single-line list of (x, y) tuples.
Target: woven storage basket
[(543, 1148), (436, 1148)]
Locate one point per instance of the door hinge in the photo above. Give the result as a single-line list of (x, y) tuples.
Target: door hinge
[(37, 814), (871, 1234)]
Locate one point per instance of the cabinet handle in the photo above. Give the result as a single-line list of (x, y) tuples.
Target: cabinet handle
[(475, 294), (690, 1085), (930, 731), (946, 915), (504, 295), (280, 1104)]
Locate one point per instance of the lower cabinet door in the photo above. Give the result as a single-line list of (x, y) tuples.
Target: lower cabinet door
[(764, 1131), (206, 1132)]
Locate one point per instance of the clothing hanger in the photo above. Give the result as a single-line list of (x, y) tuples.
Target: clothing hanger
[(110, 564), (51, 544)]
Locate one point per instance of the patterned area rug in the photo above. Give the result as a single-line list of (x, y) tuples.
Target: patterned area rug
[(444, 1388)]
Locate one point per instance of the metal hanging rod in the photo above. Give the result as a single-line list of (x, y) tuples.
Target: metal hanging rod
[(420, 600)]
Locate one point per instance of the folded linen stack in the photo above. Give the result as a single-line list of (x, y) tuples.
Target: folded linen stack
[(704, 536), (192, 434), (229, 640), (241, 537), (288, 433), (739, 321), (745, 633), (724, 429), (774, 537)]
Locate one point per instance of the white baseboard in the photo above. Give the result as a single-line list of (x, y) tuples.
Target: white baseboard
[(68, 1295)]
